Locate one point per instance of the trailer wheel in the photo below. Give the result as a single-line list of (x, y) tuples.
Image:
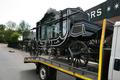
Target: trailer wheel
[(43, 73), (37, 67), (47, 73)]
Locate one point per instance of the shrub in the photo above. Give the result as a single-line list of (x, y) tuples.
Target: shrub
[(14, 37)]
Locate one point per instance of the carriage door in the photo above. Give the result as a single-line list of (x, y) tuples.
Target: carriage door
[(114, 66)]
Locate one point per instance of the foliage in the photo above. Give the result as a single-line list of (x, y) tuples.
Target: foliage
[(11, 31), (24, 29), (2, 31), (14, 37), (2, 27), (7, 35), (11, 25)]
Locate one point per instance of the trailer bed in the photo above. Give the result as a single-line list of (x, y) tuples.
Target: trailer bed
[(62, 64)]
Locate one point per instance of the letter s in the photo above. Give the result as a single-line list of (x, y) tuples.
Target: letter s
[(99, 12)]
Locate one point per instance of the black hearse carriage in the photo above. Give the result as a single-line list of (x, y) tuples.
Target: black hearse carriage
[(68, 33)]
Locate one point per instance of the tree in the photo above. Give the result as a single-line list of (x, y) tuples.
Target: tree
[(2, 27), (14, 36), (24, 29), (10, 29), (11, 25), (8, 34), (2, 33)]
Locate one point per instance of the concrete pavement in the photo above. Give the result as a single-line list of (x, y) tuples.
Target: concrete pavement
[(12, 66)]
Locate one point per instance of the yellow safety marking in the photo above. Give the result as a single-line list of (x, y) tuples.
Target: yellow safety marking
[(101, 49), (63, 70)]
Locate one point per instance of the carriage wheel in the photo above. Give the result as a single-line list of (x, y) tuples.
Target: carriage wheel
[(79, 52)]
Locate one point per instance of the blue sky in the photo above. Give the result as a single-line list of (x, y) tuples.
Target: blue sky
[(33, 10)]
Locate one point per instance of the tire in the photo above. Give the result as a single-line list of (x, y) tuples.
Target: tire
[(37, 67), (43, 73), (47, 73)]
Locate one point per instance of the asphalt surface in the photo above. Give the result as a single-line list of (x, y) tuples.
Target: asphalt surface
[(12, 66)]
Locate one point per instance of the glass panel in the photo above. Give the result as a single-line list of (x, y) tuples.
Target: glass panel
[(49, 32), (56, 30), (39, 33), (43, 35), (64, 27)]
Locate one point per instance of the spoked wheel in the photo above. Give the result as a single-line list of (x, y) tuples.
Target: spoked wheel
[(84, 58), (79, 52)]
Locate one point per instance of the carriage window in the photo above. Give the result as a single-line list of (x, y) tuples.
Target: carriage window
[(39, 34), (43, 32), (56, 30), (64, 30), (49, 32)]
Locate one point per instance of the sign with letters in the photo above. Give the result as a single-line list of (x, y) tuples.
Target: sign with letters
[(108, 9)]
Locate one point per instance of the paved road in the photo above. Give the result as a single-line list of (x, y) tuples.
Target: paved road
[(13, 68)]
